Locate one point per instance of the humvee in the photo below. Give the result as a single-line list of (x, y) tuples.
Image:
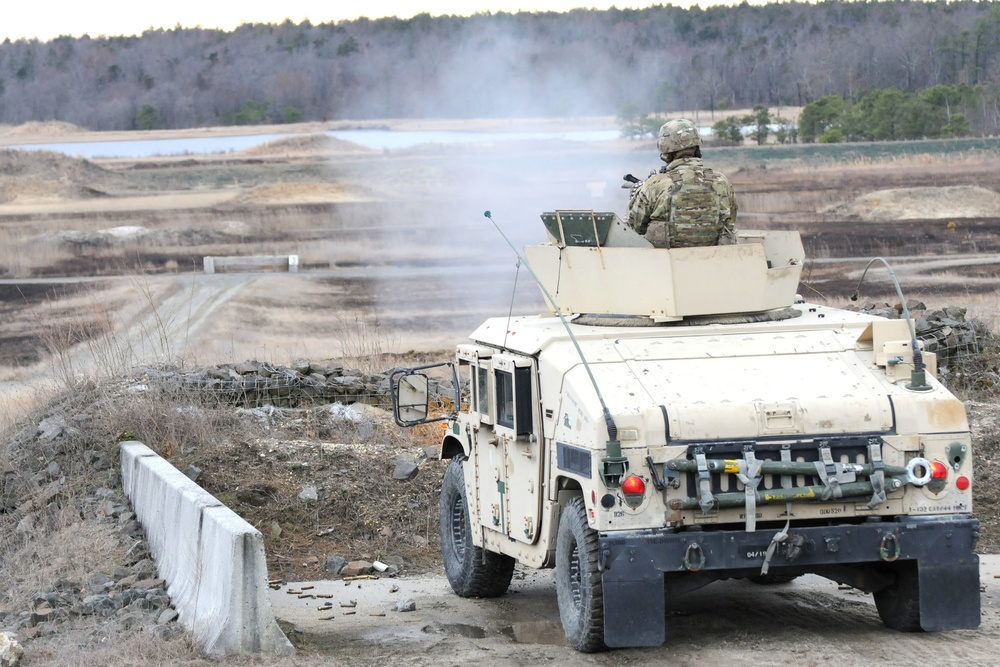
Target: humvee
[(680, 417)]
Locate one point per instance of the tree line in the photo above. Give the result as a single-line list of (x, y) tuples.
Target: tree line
[(661, 59)]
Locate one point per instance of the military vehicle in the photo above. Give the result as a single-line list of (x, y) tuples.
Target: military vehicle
[(680, 417)]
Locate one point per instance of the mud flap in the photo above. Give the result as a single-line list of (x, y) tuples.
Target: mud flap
[(949, 595), (634, 609)]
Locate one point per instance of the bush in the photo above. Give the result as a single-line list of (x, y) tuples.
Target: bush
[(146, 117), (832, 136)]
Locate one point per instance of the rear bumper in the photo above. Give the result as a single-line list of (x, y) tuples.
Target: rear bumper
[(634, 563)]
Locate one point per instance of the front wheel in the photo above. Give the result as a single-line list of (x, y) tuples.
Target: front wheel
[(579, 587), (472, 571)]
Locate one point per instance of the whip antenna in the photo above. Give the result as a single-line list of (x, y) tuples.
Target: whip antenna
[(918, 377), (614, 464)]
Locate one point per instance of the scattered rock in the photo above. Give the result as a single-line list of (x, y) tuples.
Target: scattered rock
[(10, 650), (167, 616), (193, 472), (335, 564), (356, 568), (406, 468), (96, 460), (406, 605), (309, 494), (51, 428), (26, 524), (261, 388)]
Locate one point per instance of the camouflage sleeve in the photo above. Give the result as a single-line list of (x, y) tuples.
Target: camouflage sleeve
[(640, 205), (727, 236)]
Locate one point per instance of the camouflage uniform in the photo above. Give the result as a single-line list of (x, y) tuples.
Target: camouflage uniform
[(685, 204)]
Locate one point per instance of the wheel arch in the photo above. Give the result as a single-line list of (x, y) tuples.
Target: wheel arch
[(451, 447)]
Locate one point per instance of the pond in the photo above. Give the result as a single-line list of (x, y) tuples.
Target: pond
[(375, 139)]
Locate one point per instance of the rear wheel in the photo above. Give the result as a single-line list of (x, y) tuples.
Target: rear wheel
[(579, 586), (899, 605), (472, 571)]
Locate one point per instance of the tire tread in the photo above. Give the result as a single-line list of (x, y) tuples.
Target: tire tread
[(476, 572), (585, 633)]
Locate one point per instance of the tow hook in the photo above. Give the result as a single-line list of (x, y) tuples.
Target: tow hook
[(795, 545), (694, 553), (889, 549)]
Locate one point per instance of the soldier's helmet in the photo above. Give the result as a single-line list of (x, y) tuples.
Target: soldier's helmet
[(676, 135)]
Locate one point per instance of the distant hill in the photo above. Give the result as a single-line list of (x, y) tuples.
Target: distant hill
[(580, 63)]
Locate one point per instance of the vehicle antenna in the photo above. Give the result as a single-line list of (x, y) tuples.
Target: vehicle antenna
[(918, 376), (614, 464)]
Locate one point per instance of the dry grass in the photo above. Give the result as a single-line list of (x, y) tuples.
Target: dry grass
[(241, 455), (20, 257), (61, 547), (364, 341)]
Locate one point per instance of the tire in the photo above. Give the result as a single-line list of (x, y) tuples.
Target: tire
[(899, 605), (473, 572), (579, 587), (773, 579)]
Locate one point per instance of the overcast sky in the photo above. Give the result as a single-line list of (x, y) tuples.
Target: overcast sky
[(46, 19)]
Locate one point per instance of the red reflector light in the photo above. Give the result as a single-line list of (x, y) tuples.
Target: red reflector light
[(939, 470), (962, 483), (633, 484)]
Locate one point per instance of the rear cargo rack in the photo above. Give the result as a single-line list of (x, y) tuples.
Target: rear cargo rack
[(747, 474)]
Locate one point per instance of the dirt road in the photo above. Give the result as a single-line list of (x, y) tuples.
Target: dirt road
[(810, 621)]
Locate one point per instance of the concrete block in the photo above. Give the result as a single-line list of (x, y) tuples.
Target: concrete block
[(212, 559)]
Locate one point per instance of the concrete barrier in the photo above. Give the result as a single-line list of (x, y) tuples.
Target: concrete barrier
[(212, 560), (256, 264)]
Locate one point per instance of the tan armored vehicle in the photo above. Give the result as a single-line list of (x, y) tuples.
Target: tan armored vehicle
[(682, 417)]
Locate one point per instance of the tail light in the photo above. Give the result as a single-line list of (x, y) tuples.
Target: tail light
[(962, 483), (633, 488), (939, 470)]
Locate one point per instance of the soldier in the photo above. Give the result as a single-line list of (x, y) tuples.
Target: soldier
[(684, 204)]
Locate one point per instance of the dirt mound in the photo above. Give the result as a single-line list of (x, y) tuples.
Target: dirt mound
[(30, 176), (299, 193), (47, 127), (308, 143), (941, 203), (130, 235)]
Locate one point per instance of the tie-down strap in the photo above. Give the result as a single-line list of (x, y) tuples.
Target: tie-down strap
[(877, 478), (749, 474), (832, 475), (707, 500)]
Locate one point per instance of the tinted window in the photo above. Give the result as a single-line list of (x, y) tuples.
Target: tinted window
[(505, 399)]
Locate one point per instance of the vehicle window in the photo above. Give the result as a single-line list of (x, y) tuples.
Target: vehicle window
[(482, 390), (514, 400), (505, 399), (522, 395), (467, 378)]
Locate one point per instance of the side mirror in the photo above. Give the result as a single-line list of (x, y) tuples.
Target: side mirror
[(411, 395)]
